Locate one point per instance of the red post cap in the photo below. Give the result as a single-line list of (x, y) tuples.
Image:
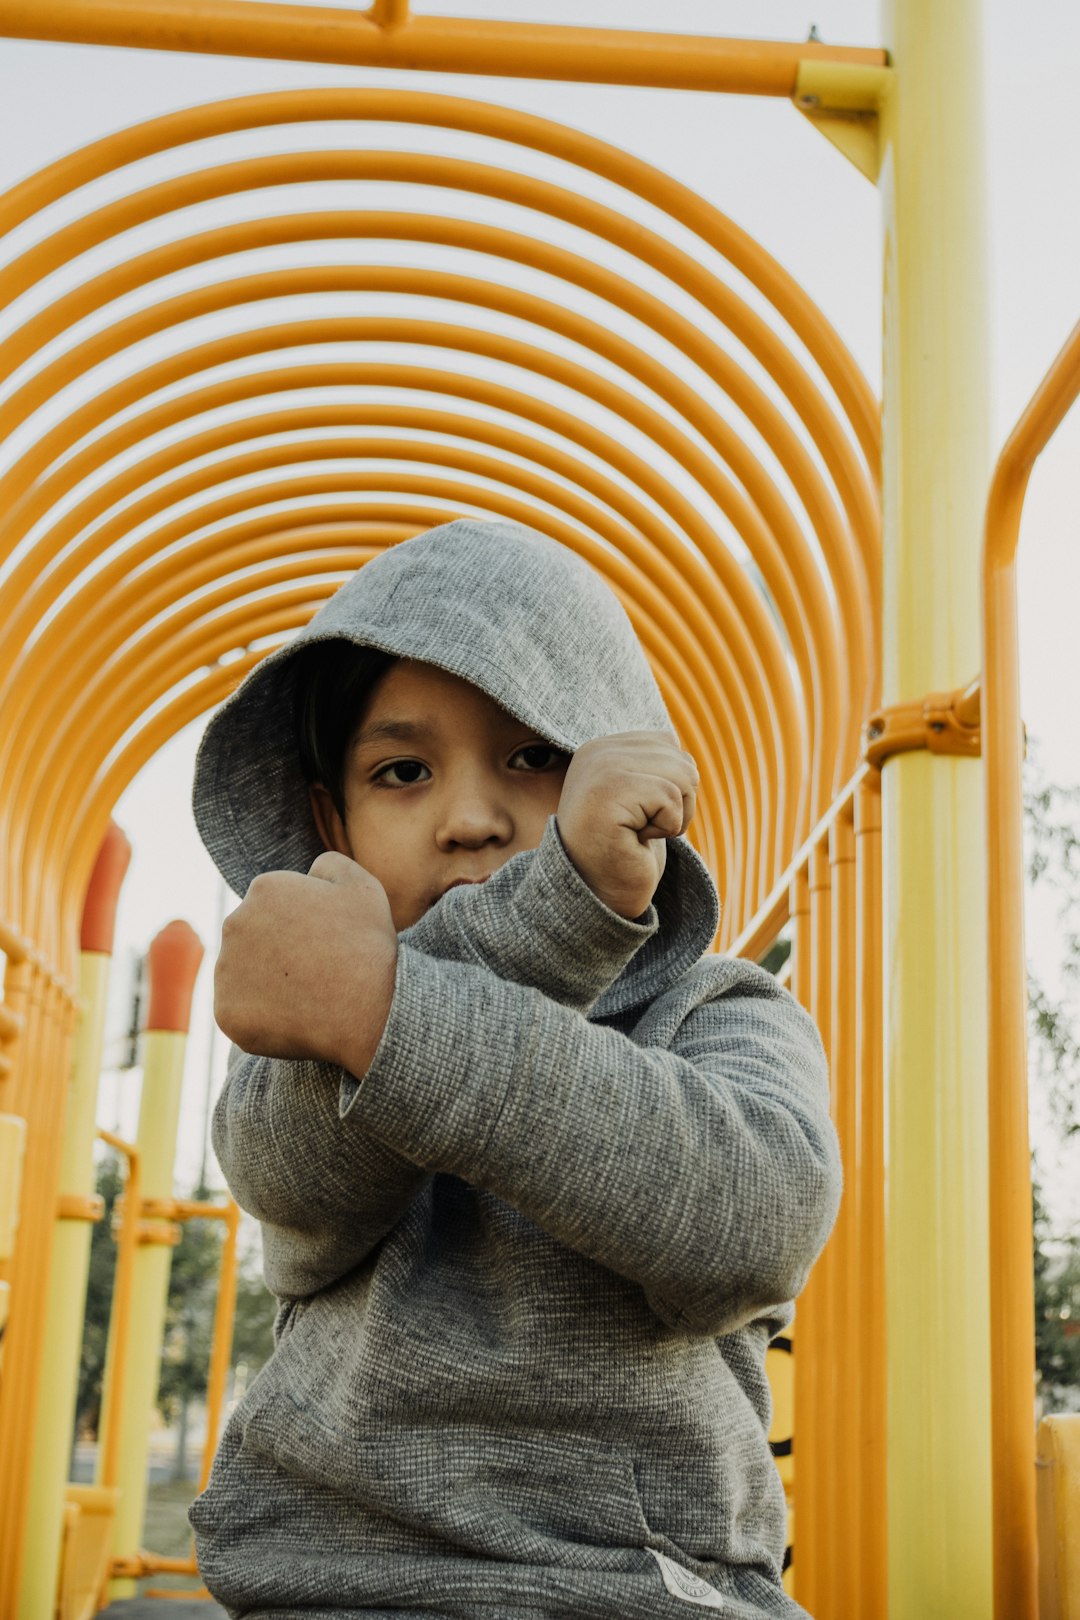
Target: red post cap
[(173, 962), (103, 892)]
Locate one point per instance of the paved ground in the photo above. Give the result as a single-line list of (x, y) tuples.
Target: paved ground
[(162, 1609)]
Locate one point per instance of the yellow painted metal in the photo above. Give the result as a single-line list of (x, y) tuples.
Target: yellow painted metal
[(841, 100), (55, 1416), (933, 852), (42, 1000), (12, 1154), (386, 36), (89, 1511), (1059, 1517), (128, 1401), (1012, 1284), (780, 1368)]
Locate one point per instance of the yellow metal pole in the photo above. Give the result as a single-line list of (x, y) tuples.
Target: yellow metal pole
[(174, 960), (60, 1344), (936, 468)]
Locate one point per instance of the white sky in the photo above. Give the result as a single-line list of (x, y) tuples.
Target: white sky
[(774, 175)]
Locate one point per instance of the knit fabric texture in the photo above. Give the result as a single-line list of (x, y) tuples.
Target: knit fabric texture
[(529, 1263)]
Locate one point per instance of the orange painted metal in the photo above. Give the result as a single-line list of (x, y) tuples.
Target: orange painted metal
[(1011, 1280), (98, 923), (843, 1504), (386, 36), (808, 1320), (815, 1505), (866, 1209)]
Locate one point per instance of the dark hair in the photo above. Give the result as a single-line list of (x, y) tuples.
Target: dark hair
[(332, 684)]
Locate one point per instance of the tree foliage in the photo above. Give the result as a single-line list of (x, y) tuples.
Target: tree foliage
[(189, 1313), (99, 1287), (189, 1316), (1052, 853)]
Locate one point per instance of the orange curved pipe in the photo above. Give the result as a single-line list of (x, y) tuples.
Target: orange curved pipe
[(538, 359), (549, 201), (55, 642), (527, 130), (659, 561), (1011, 1283), (823, 671), (121, 688), (522, 305)]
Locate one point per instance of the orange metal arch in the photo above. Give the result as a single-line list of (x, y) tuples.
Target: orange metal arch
[(504, 124), (819, 666), (666, 385), (497, 347), (37, 786), (522, 190)]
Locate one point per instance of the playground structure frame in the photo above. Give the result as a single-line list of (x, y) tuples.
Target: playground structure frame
[(926, 740)]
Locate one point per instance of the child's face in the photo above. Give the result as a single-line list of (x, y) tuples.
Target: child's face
[(441, 785)]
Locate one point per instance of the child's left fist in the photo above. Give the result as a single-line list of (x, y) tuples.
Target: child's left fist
[(307, 965)]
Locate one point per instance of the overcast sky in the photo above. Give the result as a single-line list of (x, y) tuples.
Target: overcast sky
[(775, 176)]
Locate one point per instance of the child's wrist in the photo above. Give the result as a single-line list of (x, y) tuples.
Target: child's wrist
[(365, 1015)]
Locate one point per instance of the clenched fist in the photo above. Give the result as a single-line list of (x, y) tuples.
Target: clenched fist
[(621, 798), (307, 965)]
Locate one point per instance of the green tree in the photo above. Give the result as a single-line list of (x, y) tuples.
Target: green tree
[(109, 1182), (189, 1323), (256, 1307), (189, 1319), (1052, 855)]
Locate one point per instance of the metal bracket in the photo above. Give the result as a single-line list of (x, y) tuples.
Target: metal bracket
[(80, 1207), (166, 1233), (841, 99), (944, 723)]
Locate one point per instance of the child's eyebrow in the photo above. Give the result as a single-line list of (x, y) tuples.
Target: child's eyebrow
[(392, 731)]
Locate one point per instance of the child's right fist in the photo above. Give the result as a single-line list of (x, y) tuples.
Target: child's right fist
[(621, 798)]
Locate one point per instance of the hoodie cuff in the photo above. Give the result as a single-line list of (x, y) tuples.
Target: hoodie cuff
[(537, 923), (413, 1092)]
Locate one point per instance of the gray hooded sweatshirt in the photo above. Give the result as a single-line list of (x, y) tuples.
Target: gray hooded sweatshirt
[(530, 1262)]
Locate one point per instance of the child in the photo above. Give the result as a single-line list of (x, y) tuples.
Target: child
[(537, 1180)]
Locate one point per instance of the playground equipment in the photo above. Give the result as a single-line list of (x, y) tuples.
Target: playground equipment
[(830, 613)]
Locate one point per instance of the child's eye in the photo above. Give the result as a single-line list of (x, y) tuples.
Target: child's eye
[(539, 757), (401, 773)]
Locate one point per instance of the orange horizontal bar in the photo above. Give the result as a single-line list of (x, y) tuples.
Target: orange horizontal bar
[(148, 1563), (749, 67), (12, 944), (128, 1149), (184, 1209)]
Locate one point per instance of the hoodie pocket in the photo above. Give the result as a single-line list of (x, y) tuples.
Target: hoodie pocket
[(564, 1500)]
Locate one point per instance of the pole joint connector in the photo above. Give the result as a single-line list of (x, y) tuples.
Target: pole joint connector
[(943, 722), (80, 1207)]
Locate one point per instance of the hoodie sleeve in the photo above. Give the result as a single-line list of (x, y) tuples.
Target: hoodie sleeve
[(326, 1193), (706, 1169), (536, 922), (322, 1205)]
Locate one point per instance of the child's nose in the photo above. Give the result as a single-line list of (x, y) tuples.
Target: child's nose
[(471, 820)]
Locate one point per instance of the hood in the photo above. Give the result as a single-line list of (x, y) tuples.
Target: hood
[(516, 614)]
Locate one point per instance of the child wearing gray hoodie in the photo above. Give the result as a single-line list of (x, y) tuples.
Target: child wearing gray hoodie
[(538, 1180)]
